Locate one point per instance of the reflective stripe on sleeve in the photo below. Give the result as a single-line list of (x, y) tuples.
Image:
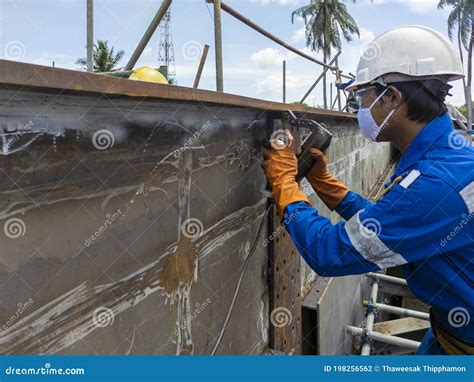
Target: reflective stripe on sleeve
[(467, 194), (368, 244)]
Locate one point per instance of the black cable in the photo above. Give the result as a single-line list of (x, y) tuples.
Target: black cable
[(242, 272)]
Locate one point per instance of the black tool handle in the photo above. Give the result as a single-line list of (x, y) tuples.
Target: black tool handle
[(319, 138)]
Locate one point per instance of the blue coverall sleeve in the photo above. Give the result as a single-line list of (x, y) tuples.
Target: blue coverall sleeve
[(351, 204), (404, 226)]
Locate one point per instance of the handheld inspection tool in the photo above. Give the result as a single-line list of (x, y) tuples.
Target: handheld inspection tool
[(319, 138)]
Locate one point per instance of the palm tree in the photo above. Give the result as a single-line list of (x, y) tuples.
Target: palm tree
[(461, 19), (324, 20), (105, 59)]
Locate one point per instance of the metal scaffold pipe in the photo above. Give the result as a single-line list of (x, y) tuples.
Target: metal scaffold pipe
[(399, 311), (384, 277), (90, 35), (385, 338), (325, 69), (201, 66), (262, 31), (218, 46), (147, 36), (370, 318)]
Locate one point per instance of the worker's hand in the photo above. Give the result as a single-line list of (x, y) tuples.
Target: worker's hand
[(281, 166), (320, 167), (280, 160), (327, 187)]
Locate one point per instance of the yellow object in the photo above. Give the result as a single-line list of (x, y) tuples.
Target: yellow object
[(393, 184), (330, 190), (450, 344), (147, 74), (281, 167)]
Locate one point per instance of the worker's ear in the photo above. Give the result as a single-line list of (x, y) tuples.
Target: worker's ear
[(394, 97)]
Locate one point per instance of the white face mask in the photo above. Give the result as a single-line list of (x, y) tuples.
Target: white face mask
[(368, 126)]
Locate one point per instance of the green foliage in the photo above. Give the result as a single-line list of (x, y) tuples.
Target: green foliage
[(460, 17), (104, 58), (324, 20), (463, 109)]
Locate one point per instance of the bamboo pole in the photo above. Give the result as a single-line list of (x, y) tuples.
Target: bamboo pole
[(90, 35), (262, 31), (218, 46), (319, 77), (201, 66), (147, 36)]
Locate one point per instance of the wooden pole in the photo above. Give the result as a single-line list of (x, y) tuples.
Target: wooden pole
[(201, 66), (90, 35), (339, 80), (218, 46), (262, 31), (319, 77), (147, 36), (284, 81)]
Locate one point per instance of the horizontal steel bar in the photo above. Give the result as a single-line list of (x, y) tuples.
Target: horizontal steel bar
[(399, 311), (384, 277), (385, 338)]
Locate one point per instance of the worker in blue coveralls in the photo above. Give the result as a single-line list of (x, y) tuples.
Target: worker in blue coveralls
[(424, 222)]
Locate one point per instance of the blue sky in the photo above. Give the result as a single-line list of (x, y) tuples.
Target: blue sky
[(43, 31)]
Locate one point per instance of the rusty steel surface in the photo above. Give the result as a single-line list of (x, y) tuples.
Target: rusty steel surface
[(21, 74), (127, 221), (285, 292), (128, 209)]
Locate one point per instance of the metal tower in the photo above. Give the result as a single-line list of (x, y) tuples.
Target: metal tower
[(166, 60)]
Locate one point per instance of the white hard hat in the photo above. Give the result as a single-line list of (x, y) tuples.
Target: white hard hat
[(408, 53)]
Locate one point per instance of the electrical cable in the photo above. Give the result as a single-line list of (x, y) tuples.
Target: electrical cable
[(242, 272)]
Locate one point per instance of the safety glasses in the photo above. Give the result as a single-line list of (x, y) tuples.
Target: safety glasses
[(357, 96)]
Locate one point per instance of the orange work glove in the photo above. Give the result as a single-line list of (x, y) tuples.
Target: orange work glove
[(327, 187), (281, 167)]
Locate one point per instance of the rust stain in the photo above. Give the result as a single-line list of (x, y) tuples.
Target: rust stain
[(178, 267)]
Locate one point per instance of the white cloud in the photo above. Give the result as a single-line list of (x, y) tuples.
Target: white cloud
[(60, 61), (366, 34), (148, 51), (421, 6), (268, 57), (278, 2), (299, 35)]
